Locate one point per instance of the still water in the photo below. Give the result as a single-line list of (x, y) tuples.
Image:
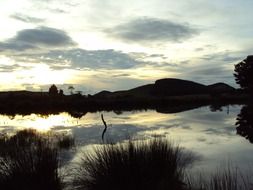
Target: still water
[(212, 136)]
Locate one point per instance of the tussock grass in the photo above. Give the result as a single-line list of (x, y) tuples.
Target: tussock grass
[(30, 160), (229, 178), (154, 164)]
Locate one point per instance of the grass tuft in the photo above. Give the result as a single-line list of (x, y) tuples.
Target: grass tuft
[(229, 178), (29, 160), (153, 164)]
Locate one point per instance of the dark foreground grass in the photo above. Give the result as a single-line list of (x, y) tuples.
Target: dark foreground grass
[(155, 164), (29, 161), (229, 178)]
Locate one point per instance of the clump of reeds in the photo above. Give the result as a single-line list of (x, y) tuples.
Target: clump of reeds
[(29, 160), (229, 178), (154, 164)]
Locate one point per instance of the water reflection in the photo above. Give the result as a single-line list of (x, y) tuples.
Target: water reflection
[(212, 135), (36, 121), (245, 122), (186, 127)]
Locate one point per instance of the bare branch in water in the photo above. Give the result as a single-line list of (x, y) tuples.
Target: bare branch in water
[(103, 134)]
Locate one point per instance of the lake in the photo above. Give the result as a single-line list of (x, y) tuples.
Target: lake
[(211, 135)]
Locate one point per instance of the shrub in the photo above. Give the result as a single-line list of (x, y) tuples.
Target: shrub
[(154, 164), (29, 161)]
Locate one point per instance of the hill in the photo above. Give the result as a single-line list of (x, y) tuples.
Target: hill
[(168, 87), (220, 88)]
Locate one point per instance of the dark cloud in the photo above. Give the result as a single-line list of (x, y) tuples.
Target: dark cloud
[(227, 56), (212, 68), (8, 68), (38, 38), (150, 29), (26, 18), (142, 56), (80, 59), (11, 68), (213, 71), (121, 75), (209, 75), (15, 46), (158, 55)]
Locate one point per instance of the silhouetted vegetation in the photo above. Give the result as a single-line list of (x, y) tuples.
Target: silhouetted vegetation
[(71, 88), (163, 94), (245, 122), (53, 91), (229, 178), (30, 160), (155, 164), (28, 102), (243, 74)]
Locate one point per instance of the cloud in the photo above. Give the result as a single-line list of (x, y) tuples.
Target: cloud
[(59, 11), (79, 59), (227, 56), (213, 71), (151, 29), (27, 19), (38, 38), (8, 68), (213, 67), (208, 74), (117, 133), (15, 46), (12, 67)]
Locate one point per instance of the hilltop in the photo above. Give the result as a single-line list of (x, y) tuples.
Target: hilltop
[(169, 87)]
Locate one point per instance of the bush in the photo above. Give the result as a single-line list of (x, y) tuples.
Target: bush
[(154, 164), (29, 161)]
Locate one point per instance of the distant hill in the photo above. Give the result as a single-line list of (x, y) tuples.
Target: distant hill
[(168, 87), (21, 93), (177, 87), (220, 88)]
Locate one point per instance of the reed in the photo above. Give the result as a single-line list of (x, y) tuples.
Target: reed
[(153, 164), (29, 160)]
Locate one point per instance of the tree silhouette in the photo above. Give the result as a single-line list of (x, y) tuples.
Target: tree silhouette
[(244, 122), (244, 74), (71, 88), (61, 92), (53, 90)]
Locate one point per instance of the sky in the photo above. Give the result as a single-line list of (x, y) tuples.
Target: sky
[(97, 45)]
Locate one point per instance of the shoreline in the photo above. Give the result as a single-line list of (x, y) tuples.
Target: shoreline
[(43, 103)]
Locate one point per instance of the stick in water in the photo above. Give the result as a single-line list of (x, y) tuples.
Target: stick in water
[(103, 134)]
